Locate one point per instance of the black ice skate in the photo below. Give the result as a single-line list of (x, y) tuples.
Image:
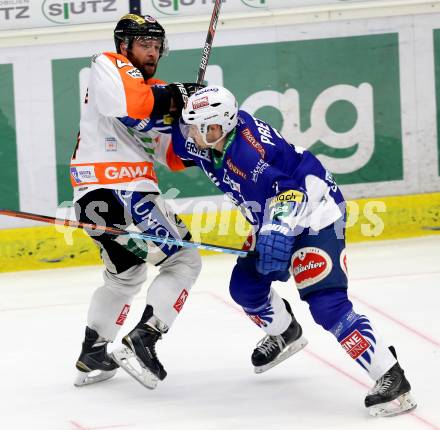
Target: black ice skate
[(272, 350), (391, 394), (138, 356), (93, 364)]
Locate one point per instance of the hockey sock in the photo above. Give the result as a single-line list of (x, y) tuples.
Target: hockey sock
[(273, 316), (333, 311), (363, 344)]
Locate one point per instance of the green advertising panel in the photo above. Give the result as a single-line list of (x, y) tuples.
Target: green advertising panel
[(9, 193), (437, 89), (343, 93)]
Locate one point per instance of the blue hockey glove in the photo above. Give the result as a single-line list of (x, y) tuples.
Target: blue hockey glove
[(275, 240), (274, 247)]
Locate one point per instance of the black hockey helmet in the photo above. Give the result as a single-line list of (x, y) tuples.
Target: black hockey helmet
[(133, 26)]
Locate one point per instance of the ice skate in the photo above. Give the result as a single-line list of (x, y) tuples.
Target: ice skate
[(94, 364), (391, 394), (138, 355), (272, 350)]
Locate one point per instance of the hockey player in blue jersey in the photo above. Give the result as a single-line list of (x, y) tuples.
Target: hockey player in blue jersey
[(298, 217)]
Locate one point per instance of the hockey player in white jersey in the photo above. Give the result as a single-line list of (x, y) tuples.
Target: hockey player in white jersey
[(112, 173)]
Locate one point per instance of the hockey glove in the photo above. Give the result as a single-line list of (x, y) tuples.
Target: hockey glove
[(274, 247), (276, 239), (180, 94)]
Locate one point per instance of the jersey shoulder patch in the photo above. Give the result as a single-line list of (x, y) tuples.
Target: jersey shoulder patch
[(135, 73)]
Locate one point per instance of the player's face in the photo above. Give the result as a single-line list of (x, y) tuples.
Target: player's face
[(213, 135), (144, 54)]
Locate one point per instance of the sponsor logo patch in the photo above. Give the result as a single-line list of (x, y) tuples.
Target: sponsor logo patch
[(310, 265), (250, 139), (74, 12), (259, 168), (111, 144), (82, 174), (235, 169), (206, 90), (135, 73), (128, 172), (275, 227), (181, 300), (288, 196), (193, 150), (111, 172), (200, 103), (355, 344), (123, 315), (150, 19)]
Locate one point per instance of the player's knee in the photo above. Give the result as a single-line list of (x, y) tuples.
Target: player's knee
[(186, 262), (328, 306), (193, 262), (127, 283), (247, 292), (245, 298), (237, 293)]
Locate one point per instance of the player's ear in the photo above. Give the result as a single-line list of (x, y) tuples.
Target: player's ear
[(123, 48)]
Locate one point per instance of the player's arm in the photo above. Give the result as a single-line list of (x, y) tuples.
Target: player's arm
[(284, 205), (166, 154), (178, 143), (120, 90)]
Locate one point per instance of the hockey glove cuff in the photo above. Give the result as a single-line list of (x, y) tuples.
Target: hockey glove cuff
[(180, 92)]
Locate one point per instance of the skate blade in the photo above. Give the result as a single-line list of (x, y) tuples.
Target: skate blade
[(128, 361), (403, 404), (293, 348), (88, 378)]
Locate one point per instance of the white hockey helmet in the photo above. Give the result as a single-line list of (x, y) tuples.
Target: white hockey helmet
[(211, 105)]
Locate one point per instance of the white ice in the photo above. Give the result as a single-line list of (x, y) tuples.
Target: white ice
[(210, 383)]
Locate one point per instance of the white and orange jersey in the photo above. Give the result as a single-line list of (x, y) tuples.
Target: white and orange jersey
[(113, 149)]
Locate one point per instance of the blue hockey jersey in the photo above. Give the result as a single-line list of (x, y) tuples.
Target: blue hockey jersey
[(258, 164)]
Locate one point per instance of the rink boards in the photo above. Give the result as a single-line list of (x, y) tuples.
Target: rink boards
[(383, 218)]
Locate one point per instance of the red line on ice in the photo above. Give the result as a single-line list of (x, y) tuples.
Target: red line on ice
[(397, 321), (80, 427)]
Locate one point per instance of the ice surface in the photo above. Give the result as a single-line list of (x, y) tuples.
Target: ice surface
[(210, 383)]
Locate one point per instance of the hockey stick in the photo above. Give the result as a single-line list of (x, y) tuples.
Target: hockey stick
[(208, 43), (434, 228), (120, 232)]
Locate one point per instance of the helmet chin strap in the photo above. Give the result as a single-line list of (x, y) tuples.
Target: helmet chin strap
[(212, 144)]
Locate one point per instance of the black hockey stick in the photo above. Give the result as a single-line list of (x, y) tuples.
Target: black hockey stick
[(208, 43), (120, 232)]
